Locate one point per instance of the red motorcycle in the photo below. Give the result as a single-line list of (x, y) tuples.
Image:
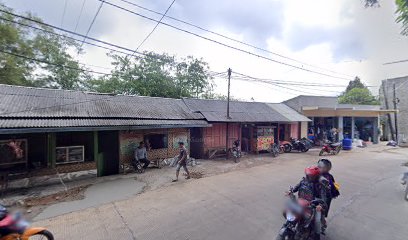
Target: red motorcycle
[(331, 148), (303, 219)]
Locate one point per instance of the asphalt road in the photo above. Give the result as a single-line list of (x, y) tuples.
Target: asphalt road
[(246, 204)]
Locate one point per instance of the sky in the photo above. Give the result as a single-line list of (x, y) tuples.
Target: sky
[(339, 38)]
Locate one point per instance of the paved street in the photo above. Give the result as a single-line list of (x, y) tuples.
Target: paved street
[(246, 204)]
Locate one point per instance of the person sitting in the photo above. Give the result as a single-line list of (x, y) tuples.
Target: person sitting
[(141, 155)]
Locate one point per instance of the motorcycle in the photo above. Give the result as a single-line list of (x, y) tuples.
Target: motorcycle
[(235, 151), (331, 148), (295, 144), (303, 219), (275, 149), (405, 182), (14, 227), (308, 143), (137, 166)]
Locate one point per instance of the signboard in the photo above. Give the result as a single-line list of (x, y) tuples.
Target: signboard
[(13, 151)]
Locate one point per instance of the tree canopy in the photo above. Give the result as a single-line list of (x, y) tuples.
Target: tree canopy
[(32, 54), (401, 12), (157, 75), (25, 52), (357, 93)]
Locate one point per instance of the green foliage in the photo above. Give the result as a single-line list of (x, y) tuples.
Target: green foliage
[(402, 15), (401, 12), (157, 75), (40, 45), (356, 83), (357, 93)]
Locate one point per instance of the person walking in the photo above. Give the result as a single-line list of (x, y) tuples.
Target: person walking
[(141, 155), (182, 161)]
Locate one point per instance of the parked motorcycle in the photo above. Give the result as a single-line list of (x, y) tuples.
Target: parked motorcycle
[(295, 144), (308, 143), (14, 226), (275, 149), (331, 148), (303, 220), (405, 182), (235, 151), (137, 166)]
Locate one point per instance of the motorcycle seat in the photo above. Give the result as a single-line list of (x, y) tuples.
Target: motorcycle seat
[(335, 144)]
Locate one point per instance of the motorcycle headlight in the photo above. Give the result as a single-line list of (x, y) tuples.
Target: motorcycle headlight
[(290, 216)]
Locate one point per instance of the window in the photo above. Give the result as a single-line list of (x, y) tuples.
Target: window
[(70, 154), (156, 141)]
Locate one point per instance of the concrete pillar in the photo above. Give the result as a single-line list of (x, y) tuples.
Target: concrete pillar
[(352, 127), (51, 149), (340, 128), (376, 123)]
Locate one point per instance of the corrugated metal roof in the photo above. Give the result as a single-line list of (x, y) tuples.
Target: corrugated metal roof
[(18, 101), (51, 123), (325, 102), (288, 112), (216, 111)]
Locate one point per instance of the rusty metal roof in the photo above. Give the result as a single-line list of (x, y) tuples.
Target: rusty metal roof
[(216, 111), (22, 107)]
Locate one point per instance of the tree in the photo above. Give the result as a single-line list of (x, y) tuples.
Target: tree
[(24, 53), (356, 83), (357, 93), (157, 75), (401, 12)]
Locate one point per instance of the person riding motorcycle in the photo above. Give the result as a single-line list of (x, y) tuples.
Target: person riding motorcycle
[(312, 187), (325, 166)]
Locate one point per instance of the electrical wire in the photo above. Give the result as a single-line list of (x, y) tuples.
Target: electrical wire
[(50, 63), (79, 16), (63, 12), (231, 39), (157, 24), (223, 44), (93, 21)]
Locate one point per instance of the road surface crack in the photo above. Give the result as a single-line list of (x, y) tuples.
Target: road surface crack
[(124, 222)]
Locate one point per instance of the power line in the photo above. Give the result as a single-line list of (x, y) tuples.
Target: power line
[(50, 63), (63, 12), (231, 39), (400, 61), (294, 82), (157, 24), (222, 44), (74, 39), (73, 33), (79, 16), (93, 21)]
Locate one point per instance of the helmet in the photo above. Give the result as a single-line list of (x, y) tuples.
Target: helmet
[(312, 172), (324, 163)]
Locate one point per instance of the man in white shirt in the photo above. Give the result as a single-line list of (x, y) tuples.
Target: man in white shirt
[(141, 155)]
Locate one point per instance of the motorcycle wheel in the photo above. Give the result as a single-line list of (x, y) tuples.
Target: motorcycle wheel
[(42, 235), (406, 192), (279, 237), (304, 149), (338, 150), (287, 148), (321, 152)]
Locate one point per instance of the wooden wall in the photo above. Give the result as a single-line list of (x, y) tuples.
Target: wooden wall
[(215, 136)]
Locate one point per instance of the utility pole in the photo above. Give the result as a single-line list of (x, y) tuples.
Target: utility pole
[(385, 92), (228, 112), (395, 101)]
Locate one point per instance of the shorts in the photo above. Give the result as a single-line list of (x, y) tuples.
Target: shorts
[(184, 165)]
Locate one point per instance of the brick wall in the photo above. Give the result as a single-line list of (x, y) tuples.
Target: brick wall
[(129, 140)]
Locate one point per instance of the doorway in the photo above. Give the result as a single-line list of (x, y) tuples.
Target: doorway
[(245, 138), (196, 143), (108, 144)]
